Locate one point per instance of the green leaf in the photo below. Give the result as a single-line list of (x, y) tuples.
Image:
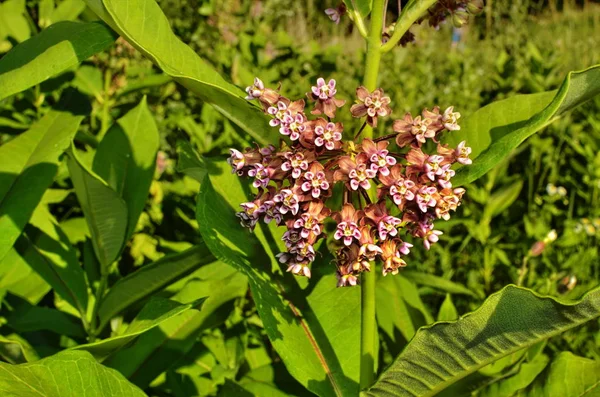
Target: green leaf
[(568, 376), (105, 212), (447, 310), (16, 350), (68, 10), (30, 162), (18, 278), (501, 199), (154, 312), (66, 374), (509, 320), (400, 309), (362, 7), (443, 284), (54, 50), (151, 279), (495, 130), (50, 253), (143, 24), (88, 79), (189, 162), (155, 351), (321, 331), (508, 386), (126, 159), (13, 22), (30, 318)]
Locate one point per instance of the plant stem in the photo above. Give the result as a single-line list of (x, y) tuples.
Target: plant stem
[(368, 340), (407, 18), (95, 330), (373, 52)]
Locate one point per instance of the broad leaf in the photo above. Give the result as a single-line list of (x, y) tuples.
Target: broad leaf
[(494, 131), (49, 252), (18, 278), (13, 23), (567, 376), (509, 320), (154, 312), (16, 350), (54, 50), (189, 162), (143, 24), (105, 212), (126, 159), (447, 310), (400, 310), (151, 279), (501, 199), (319, 358), (35, 318), (508, 386), (362, 7), (155, 351), (29, 163), (437, 282), (66, 374)]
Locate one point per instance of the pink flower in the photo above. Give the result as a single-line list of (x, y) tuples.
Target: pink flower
[(328, 135), (293, 126), (347, 228), (378, 156), (261, 174), (462, 154), (272, 211), (372, 105), (315, 180), (295, 162), (450, 119), (425, 197), (255, 91), (324, 91), (387, 227), (288, 201), (432, 166), (445, 175), (355, 172)]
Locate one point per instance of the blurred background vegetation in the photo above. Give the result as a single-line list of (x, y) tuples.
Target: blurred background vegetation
[(516, 47)]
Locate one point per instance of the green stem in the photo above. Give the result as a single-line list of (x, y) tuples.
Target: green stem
[(368, 340), (373, 52), (406, 19), (95, 330)]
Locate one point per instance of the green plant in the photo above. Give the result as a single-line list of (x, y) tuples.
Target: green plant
[(80, 224)]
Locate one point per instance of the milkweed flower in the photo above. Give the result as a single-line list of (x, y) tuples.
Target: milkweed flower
[(393, 191)]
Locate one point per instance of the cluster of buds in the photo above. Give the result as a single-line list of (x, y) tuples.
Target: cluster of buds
[(458, 10), (388, 196)]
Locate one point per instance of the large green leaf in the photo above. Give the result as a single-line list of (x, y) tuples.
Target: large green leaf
[(321, 329), (151, 279), (495, 130), (155, 351), (28, 318), (105, 212), (18, 278), (567, 376), (189, 162), (362, 7), (126, 159), (66, 374), (54, 50), (29, 163), (509, 320), (143, 24), (154, 312), (13, 23)]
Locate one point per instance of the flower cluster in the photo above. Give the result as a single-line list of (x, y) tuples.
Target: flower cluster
[(389, 197), (458, 10)]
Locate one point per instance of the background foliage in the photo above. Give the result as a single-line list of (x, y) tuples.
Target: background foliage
[(193, 327)]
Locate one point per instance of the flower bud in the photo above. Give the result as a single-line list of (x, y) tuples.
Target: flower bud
[(475, 6), (459, 18), (537, 248)]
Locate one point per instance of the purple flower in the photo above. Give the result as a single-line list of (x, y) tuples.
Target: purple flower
[(272, 211), (278, 112), (425, 197), (431, 236), (462, 154), (295, 162), (347, 231), (402, 191), (328, 135), (404, 248), (387, 226), (236, 160), (293, 126), (315, 182), (324, 91), (303, 250), (255, 91), (334, 14), (450, 119), (261, 174), (288, 201), (445, 176), (307, 223), (433, 167)]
